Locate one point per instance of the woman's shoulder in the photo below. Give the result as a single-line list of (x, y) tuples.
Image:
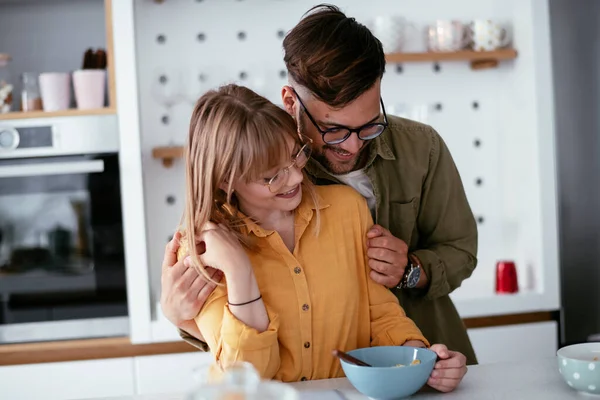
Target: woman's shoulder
[(341, 197), (337, 191)]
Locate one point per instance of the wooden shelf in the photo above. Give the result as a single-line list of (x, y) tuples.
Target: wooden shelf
[(53, 114), (478, 59), (167, 154)]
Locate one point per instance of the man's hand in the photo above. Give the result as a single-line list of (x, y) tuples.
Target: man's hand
[(449, 371), (184, 291), (388, 256)]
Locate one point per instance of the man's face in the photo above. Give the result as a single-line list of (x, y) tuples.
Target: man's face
[(336, 158)]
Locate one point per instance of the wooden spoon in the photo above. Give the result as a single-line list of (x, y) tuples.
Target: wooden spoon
[(348, 358)]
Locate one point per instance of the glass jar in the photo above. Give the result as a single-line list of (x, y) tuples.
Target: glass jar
[(242, 381), (6, 84), (31, 100)]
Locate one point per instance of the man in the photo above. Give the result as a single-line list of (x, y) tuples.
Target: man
[(424, 242)]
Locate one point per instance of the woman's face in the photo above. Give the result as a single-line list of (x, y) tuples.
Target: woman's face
[(257, 198)]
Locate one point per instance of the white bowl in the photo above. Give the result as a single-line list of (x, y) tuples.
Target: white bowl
[(579, 365)]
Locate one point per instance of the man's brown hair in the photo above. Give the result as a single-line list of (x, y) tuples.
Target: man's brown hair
[(333, 56)]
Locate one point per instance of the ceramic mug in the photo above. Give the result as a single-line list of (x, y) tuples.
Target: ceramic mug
[(89, 87), (392, 32), (55, 88), (488, 35), (447, 35)]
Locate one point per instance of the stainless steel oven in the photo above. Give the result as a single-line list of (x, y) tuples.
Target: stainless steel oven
[(62, 264)]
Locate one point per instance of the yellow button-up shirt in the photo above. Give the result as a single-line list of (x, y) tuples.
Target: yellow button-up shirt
[(318, 298)]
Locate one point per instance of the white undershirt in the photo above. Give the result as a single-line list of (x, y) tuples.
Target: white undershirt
[(362, 184)]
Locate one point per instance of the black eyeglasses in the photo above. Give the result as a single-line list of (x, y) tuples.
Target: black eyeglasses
[(340, 133)]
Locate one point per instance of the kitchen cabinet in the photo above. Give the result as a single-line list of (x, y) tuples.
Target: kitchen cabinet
[(170, 372), (515, 342), (68, 380), (178, 373), (104, 378), (53, 36)]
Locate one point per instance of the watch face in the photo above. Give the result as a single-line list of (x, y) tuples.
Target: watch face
[(413, 277)]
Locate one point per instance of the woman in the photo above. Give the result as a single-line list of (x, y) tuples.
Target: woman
[(292, 254)]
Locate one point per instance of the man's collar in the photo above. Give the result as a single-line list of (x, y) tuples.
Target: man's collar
[(382, 147)]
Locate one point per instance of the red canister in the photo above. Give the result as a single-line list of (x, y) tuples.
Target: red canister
[(506, 277)]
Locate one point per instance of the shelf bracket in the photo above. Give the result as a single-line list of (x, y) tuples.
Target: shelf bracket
[(483, 64), (167, 154)]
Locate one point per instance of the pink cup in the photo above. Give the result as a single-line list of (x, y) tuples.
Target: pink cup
[(89, 86), (55, 88)]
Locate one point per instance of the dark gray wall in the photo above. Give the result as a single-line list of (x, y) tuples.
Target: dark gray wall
[(575, 31)]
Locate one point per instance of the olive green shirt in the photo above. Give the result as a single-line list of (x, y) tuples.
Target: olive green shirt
[(421, 200)]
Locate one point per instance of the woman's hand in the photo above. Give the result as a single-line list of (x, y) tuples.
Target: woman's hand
[(223, 250)]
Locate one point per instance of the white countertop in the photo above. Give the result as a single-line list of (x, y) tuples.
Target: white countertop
[(531, 380)]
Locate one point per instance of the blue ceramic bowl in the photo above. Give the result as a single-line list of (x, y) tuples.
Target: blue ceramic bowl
[(579, 366), (385, 381)]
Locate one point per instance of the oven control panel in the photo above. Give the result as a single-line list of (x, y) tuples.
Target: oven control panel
[(9, 138), (25, 137), (47, 137)]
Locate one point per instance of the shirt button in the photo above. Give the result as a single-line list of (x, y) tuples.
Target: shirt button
[(305, 307), (297, 270), (303, 378), (306, 345)]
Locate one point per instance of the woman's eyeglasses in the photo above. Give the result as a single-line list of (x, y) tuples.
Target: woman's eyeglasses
[(277, 182)]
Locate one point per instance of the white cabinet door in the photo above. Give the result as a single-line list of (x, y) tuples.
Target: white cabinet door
[(68, 380), (170, 373), (514, 342)]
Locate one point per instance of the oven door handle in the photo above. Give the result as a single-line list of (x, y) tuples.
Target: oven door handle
[(54, 168)]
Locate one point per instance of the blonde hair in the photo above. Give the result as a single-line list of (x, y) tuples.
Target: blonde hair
[(235, 135)]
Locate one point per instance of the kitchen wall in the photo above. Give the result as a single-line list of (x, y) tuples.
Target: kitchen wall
[(192, 46), (575, 27)]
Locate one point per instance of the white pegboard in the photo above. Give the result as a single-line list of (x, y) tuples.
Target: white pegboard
[(198, 45)]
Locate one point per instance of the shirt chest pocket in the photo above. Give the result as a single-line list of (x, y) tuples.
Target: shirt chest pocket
[(403, 216)]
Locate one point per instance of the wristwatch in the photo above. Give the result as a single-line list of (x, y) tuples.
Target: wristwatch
[(412, 273)]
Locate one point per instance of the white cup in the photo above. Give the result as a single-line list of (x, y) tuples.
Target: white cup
[(446, 35), (90, 87), (55, 88), (392, 32), (488, 35)]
